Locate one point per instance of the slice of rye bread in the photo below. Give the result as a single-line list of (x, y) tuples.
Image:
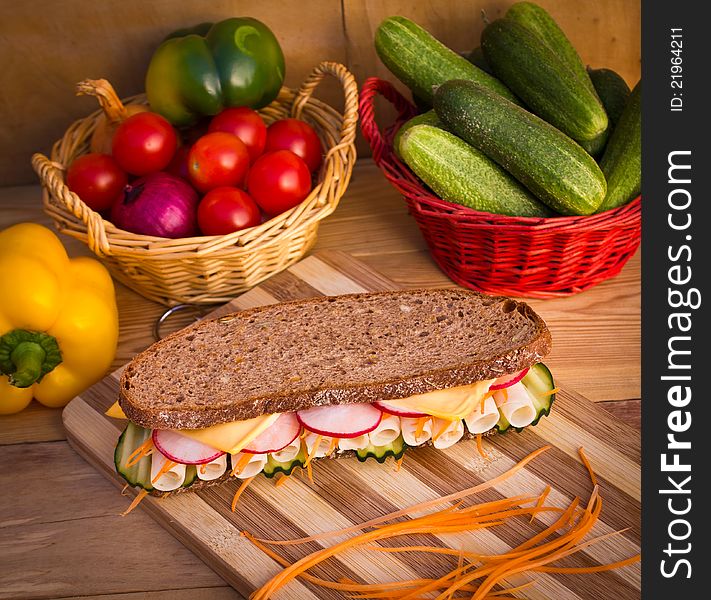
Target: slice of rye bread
[(328, 350)]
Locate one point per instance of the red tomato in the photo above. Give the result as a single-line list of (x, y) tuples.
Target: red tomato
[(144, 143), (279, 181), (297, 136), (179, 165), (216, 160), (227, 209), (96, 179), (246, 124)]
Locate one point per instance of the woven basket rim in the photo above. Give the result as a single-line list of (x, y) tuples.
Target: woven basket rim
[(421, 199)]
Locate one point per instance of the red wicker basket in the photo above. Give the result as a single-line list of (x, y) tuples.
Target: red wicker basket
[(515, 256)]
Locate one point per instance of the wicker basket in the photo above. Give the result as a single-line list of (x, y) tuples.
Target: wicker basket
[(515, 256), (212, 269)]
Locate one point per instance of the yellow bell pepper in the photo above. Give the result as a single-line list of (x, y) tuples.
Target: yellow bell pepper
[(58, 320)]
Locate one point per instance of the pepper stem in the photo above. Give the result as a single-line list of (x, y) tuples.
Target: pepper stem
[(27, 356)]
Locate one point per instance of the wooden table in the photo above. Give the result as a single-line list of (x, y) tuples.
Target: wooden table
[(58, 523)]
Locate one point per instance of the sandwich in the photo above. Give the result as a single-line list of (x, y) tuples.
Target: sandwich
[(373, 375)]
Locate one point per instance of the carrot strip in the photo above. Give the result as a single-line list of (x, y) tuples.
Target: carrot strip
[(314, 449), (398, 463), (167, 466), (240, 489), (136, 501), (282, 480), (333, 446), (241, 464), (421, 505), (421, 422), (541, 500), (595, 569), (203, 468), (587, 464), (439, 434), (142, 451), (510, 590), (480, 446)]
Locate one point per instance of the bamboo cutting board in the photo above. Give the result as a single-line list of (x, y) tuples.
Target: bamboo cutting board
[(346, 491)]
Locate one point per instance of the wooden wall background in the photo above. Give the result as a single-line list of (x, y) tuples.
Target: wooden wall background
[(49, 45)]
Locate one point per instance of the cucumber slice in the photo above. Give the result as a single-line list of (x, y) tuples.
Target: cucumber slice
[(396, 448), (139, 474), (274, 467), (539, 383)]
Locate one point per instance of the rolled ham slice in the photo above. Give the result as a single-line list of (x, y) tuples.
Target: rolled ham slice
[(481, 422), (356, 443), (288, 453), (446, 433), (170, 480), (253, 467), (516, 405), (386, 432), (324, 444), (409, 431), (212, 470)]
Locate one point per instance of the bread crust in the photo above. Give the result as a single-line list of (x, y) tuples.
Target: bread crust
[(192, 417)]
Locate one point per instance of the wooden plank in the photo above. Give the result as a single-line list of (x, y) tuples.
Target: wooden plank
[(268, 511)]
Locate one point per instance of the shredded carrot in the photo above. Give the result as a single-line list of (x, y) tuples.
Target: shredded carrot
[(123, 490), (480, 446), (440, 433), (309, 472), (421, 506), (241, 464), (142, 451), (475, 579), (136, 501), (333, 446), (241, 489), (551, 392), (421, 422), (398, 463), (541, 501), (203, 468), (587, 464), (510, 590), (314, 449), (167, 466), (282, 480)]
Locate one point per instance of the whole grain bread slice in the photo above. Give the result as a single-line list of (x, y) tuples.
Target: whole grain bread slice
[(329, 350)]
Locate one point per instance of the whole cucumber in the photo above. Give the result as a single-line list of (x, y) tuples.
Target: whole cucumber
[(427, 118), (538, 20), (549, 88), (459, 173), (613, 92), (420, 61), (551, 165), (622, 161)]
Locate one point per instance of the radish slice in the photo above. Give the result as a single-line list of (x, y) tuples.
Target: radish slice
[(508, 380), (182, 449), (277, 436), (340, 420), (397, 411)]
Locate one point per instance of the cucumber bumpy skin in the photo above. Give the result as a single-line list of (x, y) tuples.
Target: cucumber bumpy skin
[(426, 118), (622, 161), (460, 173), (421, 61), (551, 165), (613, 92), (536, 74)]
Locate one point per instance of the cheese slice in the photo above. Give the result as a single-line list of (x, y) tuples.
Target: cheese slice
[(115, 411), (231, 437), (451, 403)]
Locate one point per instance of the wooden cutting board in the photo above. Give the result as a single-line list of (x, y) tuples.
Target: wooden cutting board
[(346, 491)]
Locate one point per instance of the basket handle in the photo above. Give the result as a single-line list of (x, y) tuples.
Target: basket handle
[(373, 87), (52, 178), (350, 91)]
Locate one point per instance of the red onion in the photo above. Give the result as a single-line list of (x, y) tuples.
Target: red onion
[(158, 204)]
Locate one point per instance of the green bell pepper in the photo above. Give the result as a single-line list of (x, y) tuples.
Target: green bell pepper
[(200, 71)]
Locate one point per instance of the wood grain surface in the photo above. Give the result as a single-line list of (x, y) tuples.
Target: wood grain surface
[(57, 513), (346, 491), (54, 45)]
